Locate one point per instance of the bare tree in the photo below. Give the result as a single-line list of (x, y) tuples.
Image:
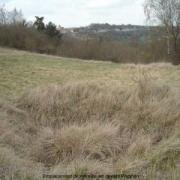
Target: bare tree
[(10, 17), (167, 13), (3, 15), (15, 16)]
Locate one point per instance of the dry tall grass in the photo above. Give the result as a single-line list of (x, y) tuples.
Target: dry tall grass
[(74, 127), (91, 141)]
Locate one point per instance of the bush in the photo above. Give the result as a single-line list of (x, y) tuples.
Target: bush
[(20, 37)]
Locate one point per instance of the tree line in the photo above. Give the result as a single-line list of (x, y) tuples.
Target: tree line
[(39, 37)]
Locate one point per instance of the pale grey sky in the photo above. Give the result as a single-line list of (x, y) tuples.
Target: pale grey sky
[(70, 13)]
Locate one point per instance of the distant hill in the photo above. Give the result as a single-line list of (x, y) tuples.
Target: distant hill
[(113, 32)]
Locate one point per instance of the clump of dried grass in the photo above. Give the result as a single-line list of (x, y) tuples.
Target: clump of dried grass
[(92, 141), (148, 106), (72, 103)]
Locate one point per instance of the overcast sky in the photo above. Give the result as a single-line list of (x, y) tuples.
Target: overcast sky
[(71, 13)]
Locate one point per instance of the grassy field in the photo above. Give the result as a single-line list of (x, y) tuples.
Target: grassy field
[(21, 70), (70, 116)]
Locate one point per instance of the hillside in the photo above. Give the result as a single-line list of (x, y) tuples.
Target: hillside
[(70, 116), (113, 32), (20, 70)]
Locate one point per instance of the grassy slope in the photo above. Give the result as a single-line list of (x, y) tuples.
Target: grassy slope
[(149, 133), (20, 70)]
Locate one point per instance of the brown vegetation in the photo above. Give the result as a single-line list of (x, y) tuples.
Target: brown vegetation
[(28, 38), (21, 37), (74, 127)]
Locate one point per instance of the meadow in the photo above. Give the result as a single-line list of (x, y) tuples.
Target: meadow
[(71, 116)]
